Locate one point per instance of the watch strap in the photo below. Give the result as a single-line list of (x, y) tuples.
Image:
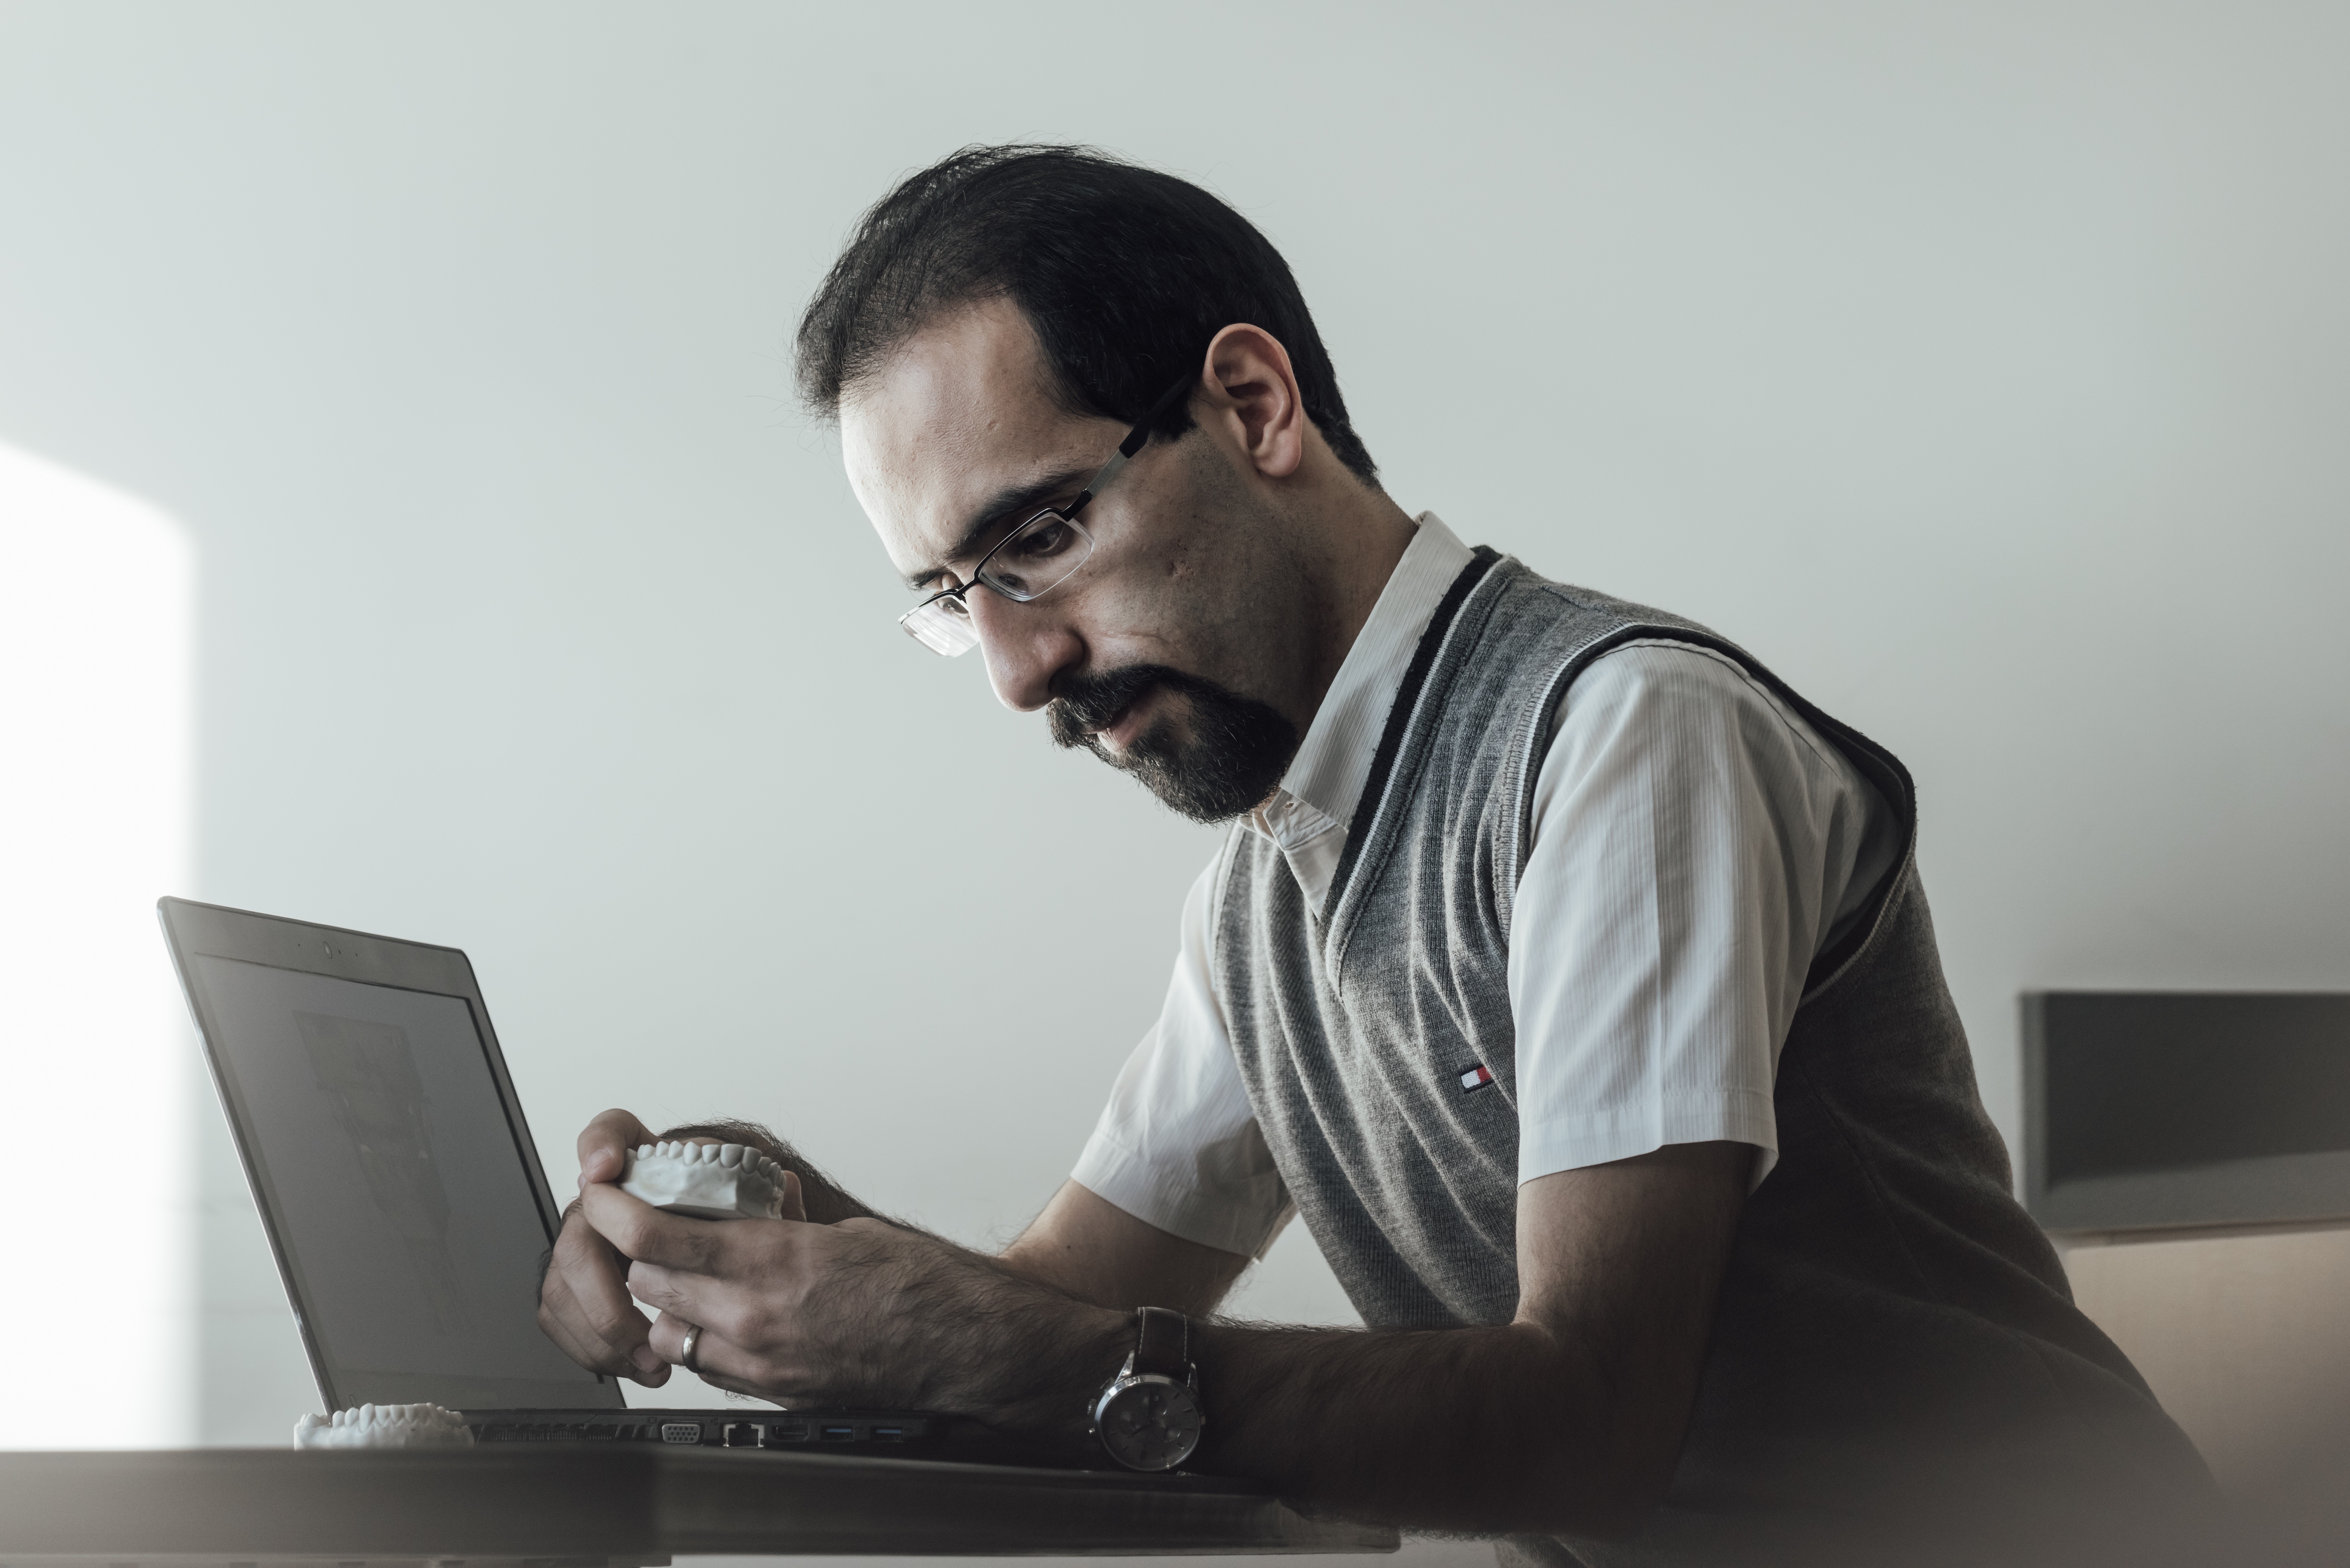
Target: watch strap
[(1162, 1347)]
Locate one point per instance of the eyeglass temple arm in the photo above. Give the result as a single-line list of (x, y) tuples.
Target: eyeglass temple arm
[(1135, 440)]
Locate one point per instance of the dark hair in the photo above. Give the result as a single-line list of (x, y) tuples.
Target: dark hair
[(1126, 273)]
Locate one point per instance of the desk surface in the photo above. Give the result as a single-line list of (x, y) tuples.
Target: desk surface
[(250, 1507)]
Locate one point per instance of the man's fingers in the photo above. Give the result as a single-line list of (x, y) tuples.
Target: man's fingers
[(604, 1146), (676, 1292), (576, 1331), (794, 1200), (717, 1360), (586, 1309), (552, 1302), (606, 1314), (647, 1235), (668, 1339), (571, 1291)]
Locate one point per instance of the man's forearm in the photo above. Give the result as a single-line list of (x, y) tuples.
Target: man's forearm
[(1089, 1249), (1478, 1430), (1568, 1420), (1482, 1430), (1471, 1429)]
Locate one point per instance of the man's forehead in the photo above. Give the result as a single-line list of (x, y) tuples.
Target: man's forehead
[(960, 413)]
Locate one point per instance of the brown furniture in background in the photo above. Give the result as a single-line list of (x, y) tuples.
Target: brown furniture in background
[(2244, 1337)]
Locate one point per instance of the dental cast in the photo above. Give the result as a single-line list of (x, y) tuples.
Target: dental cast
[(706, 1181)]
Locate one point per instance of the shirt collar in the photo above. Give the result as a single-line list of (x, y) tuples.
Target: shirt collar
[(1334, 763)]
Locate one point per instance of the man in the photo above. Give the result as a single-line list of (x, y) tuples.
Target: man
[(1567, 973)]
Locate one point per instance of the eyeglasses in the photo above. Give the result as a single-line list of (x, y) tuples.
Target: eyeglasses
[(1035, 557)]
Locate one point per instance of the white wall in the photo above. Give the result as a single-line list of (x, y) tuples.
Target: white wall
[(1979, 365)]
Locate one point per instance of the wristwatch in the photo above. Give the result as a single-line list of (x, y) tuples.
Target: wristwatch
[(1149, 1417)]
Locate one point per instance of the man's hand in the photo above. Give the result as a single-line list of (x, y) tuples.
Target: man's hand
[(860, 1314), (584, 1303), (604, 1146)]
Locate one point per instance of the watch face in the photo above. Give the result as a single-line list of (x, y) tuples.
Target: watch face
[(1150, 1423)]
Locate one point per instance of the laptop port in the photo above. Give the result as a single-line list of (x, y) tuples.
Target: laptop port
[(787, 1431), (743, 1434), (681, 1431), (839, 1434), (888, 1434)]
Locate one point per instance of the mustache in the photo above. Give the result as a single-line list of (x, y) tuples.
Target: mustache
[(1088, 703)]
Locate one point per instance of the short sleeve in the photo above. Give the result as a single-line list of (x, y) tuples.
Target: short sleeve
[(1178, 1145), (1694, 840)]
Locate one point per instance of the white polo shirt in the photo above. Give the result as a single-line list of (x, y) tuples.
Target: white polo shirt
[(1695, 843)]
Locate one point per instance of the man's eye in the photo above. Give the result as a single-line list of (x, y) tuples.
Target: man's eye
[(1048, 538)]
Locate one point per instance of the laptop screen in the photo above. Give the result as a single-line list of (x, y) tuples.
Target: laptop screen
[(407, 1221)]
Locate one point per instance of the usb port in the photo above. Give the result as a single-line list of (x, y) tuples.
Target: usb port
[(681, 1431), (839, 1434), (743, 1434), (888, 1434)]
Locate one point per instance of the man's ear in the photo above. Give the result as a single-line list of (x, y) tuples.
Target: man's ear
[(1251, 384)]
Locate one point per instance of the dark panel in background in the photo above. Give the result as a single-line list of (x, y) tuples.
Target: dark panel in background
[(2151, 1109)]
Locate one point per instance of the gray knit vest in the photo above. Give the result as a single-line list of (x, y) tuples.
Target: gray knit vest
[(1895, 1349)]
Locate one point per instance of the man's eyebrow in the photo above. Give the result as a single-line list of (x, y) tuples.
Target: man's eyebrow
[(1013, 501)]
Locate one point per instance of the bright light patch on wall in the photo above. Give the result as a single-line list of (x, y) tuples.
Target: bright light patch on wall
[(97, 1057)]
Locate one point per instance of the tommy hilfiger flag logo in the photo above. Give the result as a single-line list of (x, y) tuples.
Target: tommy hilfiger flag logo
[(1475, 1076)]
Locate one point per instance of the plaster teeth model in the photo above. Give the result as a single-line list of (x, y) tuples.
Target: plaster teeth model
[(707, 1181), (385, 1427)]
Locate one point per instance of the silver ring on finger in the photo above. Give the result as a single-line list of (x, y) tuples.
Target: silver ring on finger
[(685, 1352)]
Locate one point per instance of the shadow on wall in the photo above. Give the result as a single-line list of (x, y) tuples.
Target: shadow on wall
[(96, 591)]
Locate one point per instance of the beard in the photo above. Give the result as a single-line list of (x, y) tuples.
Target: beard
[(1237, 750)]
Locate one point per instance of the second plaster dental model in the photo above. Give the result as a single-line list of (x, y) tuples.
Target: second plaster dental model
[(706, 1181), (385, 1427)]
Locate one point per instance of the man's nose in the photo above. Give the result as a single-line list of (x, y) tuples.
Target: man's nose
[(1026, 646)]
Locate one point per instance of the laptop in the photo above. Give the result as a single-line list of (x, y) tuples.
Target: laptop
[(404, 1199)]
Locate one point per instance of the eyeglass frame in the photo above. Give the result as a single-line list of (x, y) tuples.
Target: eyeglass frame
[(1135, 440)]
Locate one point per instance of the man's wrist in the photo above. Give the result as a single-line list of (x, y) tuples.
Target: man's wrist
[(1057, 1369), (1149, 1417)]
